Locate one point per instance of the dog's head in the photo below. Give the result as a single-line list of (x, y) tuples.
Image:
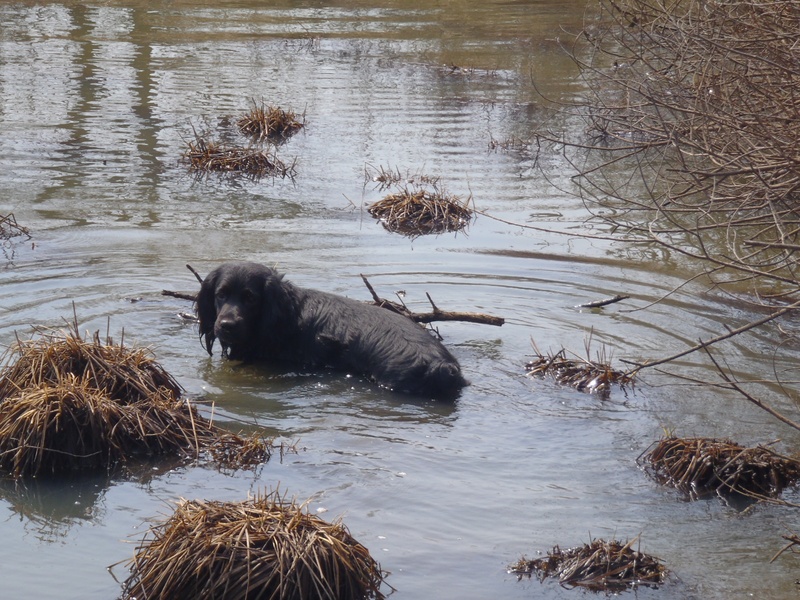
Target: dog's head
[(242, 304)]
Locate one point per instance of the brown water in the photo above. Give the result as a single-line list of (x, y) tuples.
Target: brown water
[(96, 106)]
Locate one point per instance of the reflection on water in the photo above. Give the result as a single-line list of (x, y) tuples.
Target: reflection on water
[(51, 509), (97, 103)]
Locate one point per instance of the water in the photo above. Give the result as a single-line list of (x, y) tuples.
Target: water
[(96, 106)]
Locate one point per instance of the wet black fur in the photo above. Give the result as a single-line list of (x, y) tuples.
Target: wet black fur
[(258, 316)]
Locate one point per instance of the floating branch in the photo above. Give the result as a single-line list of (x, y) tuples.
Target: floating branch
[(269, 123), (699, 467), (206, 156), (10, 229), (586, 375), (180, 295), (415, 212), (69, 404), (430, 317), (436, 315), (599, 566), (184, 295), (264, 547)]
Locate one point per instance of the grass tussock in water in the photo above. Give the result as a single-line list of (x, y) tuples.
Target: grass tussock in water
[(265, 122), (415, 212), (699, 467), (126, 375), (265, 547), (584, 374), (207, 156), (418, 206), (69, 404), (599, 566)]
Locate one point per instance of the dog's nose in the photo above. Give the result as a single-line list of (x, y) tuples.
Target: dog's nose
[(226, 324)]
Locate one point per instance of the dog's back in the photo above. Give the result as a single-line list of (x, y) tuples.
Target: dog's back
[(394, 351)]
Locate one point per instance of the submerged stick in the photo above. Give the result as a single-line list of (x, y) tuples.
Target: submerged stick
[(601, 303), (179, 295)]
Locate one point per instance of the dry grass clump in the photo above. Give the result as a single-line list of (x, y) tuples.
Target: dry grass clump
[(269, 123), (124, 375), (232, 451), (584, 374), (420, 211), (264, 547), (419, 206), (51, 429), (599, 566), (699, 467), (207, 156), (70, 404)]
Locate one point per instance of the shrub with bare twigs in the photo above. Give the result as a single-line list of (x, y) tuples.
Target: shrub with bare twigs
[(695, 105), (690, 141)]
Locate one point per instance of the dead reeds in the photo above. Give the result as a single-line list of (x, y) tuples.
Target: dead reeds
[(70, 404), (207, 156), (53, 429), (265, 547), (584, 374), (599, 566), (419, 205), (123, 374), (699, 467), (414, 212), (272, 123)]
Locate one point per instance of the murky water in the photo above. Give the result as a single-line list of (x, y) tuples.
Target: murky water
[(96, 106)]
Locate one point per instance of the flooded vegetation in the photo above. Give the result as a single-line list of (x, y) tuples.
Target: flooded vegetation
[(198, 552), (600, 566), (103, 111), (70, 404), (700, 467)]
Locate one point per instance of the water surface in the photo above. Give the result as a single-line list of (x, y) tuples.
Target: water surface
[(97, 103)]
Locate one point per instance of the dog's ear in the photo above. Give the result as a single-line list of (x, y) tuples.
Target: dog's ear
[(279, 303), (206, 309)]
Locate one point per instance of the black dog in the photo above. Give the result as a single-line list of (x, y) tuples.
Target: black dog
[(256, 315)]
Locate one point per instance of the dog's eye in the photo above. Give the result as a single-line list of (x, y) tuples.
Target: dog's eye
[(221, 295), (249, 297)]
